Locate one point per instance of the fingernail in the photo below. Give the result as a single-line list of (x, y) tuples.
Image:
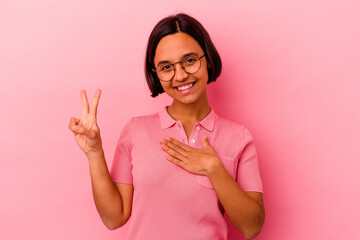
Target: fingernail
[(76, 128)]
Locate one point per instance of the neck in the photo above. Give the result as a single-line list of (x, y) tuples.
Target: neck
[(193, 112)]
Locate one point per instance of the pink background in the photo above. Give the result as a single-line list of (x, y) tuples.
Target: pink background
[(290, 75)]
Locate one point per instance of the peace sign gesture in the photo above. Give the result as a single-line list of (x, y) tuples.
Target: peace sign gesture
[(85, 129)]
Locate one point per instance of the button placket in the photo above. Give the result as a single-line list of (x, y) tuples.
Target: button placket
[(195, 134), (182, 133)]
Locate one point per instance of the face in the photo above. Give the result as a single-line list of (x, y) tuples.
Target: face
[(172, 48)]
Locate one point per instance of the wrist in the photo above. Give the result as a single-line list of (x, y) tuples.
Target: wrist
[(214, 167), (95, 154)]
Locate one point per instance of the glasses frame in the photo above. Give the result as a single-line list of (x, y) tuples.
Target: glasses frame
[(183, 67)]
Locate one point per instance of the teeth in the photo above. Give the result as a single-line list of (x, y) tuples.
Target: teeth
[(185, 87)]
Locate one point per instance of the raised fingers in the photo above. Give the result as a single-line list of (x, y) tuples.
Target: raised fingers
[(94, 103), (85, 103)]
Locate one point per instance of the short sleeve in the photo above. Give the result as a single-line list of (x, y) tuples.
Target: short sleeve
[(248, 173), (121, 169)]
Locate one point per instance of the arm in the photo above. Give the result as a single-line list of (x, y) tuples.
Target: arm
[(113, 201), (244, 209)]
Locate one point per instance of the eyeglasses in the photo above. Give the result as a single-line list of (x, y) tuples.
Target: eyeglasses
[(190, 64)]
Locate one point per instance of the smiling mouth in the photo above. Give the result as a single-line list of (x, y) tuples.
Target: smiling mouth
[(182, 88)]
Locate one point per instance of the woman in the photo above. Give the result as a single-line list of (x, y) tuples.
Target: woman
[(177, 171)]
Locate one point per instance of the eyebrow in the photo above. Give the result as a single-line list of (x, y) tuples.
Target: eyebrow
[(184, 56)]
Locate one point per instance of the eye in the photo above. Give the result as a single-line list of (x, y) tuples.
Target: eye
[(190, 60), (166, 67)]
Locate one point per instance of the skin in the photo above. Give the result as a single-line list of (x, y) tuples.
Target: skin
[(192, 107), (245, 209), (114, 200)]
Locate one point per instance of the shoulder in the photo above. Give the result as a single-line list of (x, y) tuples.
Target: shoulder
[(231, 127), (144, 121), (231, 136), (145, 118)]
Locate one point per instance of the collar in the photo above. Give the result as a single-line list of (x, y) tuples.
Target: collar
[(167, 121)]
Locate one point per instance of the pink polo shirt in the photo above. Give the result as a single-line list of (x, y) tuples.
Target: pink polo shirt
[(168, 201)]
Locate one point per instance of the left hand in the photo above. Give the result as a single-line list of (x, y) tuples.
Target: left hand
[(194, 160)]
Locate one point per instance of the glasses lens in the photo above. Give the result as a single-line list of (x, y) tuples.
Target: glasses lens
[(191, 64), (165, 72)]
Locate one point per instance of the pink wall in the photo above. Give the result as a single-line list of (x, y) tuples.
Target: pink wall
[(291, 75)]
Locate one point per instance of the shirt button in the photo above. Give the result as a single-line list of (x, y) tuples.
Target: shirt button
[(192, 141), (197, 128)]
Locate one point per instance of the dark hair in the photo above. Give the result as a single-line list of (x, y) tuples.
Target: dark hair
[(173, 24)]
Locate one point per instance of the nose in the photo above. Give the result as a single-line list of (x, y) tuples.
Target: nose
[(180, 74)]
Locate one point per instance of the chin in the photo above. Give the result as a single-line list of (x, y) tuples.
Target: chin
[(187, 100)]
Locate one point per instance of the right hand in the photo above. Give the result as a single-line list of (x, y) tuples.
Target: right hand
[(85, 129)]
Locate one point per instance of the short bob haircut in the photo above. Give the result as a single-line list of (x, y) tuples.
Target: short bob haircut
[(173, 24)]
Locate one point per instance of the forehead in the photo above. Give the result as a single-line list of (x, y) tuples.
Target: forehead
[(172, 47)]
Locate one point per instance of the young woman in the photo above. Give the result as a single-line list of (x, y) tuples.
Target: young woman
[(176, 172)]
